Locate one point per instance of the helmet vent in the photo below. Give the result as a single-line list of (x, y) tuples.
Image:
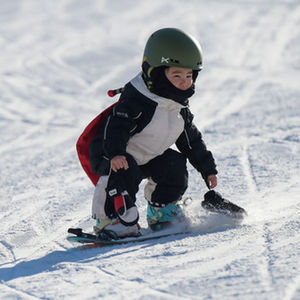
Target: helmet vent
[(176, 61)]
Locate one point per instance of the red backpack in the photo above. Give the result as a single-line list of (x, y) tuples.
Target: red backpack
[(87, 136)]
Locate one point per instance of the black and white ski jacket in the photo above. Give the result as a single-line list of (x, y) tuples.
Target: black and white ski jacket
[(145, 125)]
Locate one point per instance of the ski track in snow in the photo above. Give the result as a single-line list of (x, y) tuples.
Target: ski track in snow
[(58, 59)]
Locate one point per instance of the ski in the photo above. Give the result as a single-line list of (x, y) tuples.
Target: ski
[(92, 240), (214, 203)]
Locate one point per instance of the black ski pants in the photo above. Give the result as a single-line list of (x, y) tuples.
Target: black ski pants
[(168, 171)]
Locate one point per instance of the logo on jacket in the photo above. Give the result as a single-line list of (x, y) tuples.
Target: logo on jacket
[(122, 114)]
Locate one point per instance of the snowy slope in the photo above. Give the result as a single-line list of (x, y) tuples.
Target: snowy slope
[(57, 60)]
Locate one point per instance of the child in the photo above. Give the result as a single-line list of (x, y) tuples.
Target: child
[(135, 142)]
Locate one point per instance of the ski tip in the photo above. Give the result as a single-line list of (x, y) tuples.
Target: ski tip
[(76, 231)]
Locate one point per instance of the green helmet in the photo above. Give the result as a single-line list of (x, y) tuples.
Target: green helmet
[(173, 47)]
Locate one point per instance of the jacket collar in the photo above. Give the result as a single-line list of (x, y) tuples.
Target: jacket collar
[(139, 84)]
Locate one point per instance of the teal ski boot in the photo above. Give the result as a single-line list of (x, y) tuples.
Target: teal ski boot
[(161, 217)]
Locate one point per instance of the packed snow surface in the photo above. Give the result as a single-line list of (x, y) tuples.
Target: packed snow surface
[(58, 59)]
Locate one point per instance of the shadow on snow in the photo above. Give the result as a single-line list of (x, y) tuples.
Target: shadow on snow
[(83, 254)]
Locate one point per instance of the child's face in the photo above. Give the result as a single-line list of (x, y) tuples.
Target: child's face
[(180, 77)]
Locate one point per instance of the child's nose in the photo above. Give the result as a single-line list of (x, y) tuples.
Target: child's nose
[(186, 83)]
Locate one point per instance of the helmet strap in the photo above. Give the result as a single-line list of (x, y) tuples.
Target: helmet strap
[(147, 69)]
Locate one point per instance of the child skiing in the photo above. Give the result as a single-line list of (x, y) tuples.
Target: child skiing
[(134, 143)]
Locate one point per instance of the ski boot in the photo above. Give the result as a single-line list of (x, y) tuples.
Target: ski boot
[(114, 229), (124, 222), (161, 217), (214, 202)]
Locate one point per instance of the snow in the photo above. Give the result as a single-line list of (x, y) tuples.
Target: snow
[(58, 59)]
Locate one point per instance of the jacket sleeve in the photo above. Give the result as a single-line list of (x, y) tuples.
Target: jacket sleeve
[(118, 128), (191, 144)]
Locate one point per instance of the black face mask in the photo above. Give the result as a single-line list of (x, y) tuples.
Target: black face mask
[(161, 86)]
